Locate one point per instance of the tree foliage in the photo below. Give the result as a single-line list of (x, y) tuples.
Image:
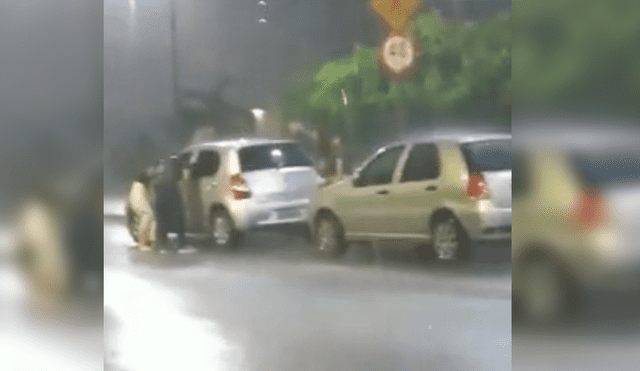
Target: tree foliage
[(462, 70), (574, 53)]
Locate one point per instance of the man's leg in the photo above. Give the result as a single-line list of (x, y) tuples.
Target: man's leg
[(180, 230), (161, 234), (144, 232)]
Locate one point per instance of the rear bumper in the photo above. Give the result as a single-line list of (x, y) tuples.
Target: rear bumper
[(625, 281), (614, 278), (248, 214), (484, 222)]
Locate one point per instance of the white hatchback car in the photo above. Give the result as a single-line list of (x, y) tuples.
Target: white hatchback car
[(447, 191), (233, 186)]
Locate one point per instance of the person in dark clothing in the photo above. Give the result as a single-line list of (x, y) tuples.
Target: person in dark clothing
[(86, 239), (339, 155), (327, 162), (168, 206)]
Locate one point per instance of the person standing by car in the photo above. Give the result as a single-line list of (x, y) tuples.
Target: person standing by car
[(168, 205), (85, 240), (140, 212), (308, 139), (325, 150), (339, 155)]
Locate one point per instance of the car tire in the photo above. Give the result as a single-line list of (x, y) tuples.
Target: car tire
[(224, 235), (543, 299), (328, 237), (449, 240)]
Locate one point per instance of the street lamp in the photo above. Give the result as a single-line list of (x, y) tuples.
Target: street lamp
[(264, 8), (132, 6), (258, 114)]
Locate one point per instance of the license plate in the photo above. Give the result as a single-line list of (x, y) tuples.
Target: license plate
[(288, 213)]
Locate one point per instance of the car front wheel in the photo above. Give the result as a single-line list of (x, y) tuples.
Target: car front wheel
[(329, 237), (450, 241), (543, 299), (223, 232)]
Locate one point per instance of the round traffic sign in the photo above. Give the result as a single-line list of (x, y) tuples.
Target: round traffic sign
[(398, 53)]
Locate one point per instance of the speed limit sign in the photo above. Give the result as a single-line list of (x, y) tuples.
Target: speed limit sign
[(398, 53)]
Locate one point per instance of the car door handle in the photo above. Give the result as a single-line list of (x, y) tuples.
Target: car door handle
[(431, 188), (383, 192)]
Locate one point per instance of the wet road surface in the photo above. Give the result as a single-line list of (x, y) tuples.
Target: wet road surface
[(272, 305)]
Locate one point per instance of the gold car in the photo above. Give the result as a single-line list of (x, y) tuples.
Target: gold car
[(446, 191), (576, 199)]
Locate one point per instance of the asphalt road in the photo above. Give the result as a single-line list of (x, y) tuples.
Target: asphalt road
[(274, 306), (606, 336), (587, 347), (34, 339)]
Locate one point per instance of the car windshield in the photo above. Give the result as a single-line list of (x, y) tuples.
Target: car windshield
[(491, 155), (271, 156), (607, 168)]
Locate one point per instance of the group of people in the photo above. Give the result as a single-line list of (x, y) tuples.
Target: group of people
[(155, 207), (328, 151)]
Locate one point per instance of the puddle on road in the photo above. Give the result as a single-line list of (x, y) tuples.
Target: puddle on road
[(117, 235), (150, 330)]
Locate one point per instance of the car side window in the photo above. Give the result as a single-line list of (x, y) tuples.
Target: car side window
[(423, 163), (380, 170), (208, 163)]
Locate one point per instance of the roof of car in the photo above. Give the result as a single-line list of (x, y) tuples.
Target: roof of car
[(578, 135), (474, 138), (451, 138), (238, 143)]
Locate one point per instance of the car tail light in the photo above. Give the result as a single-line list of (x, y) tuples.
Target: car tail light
[(239, 188), (590, 209), (476, 187)]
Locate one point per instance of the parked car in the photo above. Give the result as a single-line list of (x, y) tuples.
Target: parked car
[(576, 219), (445, 193), (230, 187)]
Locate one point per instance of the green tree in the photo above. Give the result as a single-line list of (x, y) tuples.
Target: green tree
[(462, 70), (574, 54)]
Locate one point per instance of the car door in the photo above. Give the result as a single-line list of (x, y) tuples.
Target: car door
[(366, 201), (193, 205), (415, 196), (207, 165), (187, 185)]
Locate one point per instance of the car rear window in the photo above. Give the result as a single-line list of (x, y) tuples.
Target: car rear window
[(261, 157), (607, 168), (490, 155)]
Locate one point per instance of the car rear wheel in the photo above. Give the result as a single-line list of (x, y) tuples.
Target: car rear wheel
[(223, 232), (544, 292), (450, 242), (329, 237)]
